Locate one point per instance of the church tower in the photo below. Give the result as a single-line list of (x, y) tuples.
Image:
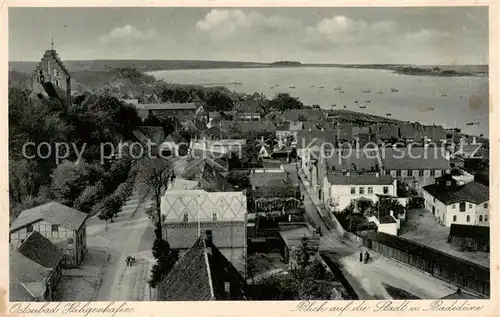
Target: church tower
[(52, 77)]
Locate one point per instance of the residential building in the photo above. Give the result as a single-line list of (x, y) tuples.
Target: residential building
[(434, 133), (309, 146), (247, 106), (453, 202), (411, 132), (52, 77), (306, 114), (386, 132), (174, 144), (227, 147), (203, 273), (469, 238), (289, 130), (188, 213), (63, 226), (35, 269), (168, 109), (388, 224), (342, 189), (416, 166)]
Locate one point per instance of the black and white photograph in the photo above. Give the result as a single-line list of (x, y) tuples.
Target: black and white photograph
[(305, 154)]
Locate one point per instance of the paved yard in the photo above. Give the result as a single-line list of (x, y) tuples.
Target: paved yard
[(421, 226)]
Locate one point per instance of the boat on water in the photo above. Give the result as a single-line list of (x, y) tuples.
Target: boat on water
[(443, 94), (362, 107), (312, 85), (345, 107), (321, 86), (394, 90), (379, 92), (341, 91), (470, 123), (292, 87), (388, 114), (334, 105), (355, 101), (368, 101), (337, 88), (366, 91), (430, 109)]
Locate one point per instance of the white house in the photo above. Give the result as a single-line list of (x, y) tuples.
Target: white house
[(386, 224), (453, 202), (342, 189)]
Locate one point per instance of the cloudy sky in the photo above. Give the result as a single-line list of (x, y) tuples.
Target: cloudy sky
[(328, 35)]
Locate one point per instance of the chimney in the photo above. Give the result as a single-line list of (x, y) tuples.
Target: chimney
[(208, 241), (227, 289)]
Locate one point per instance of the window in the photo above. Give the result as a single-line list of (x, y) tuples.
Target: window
[(214, 216), (470, 206), (480, 218), (29, 228), (353, 190), (485, 205), (454, 218), (386, 190), (421, 173), (370, 190), (55, 228), (186, 217), (433, 172), (468, 218), (70, 240), (485, 218), (361, 190), (398, 173), (462, 206), (453, 206)]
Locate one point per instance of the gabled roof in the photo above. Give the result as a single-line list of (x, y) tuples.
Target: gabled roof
[(471, 192), (195, 167), (385, 131), (39, 249), (212, 181), (52, 212), (415, 158), (200, 274), (310, 114), (262, 125), (27, 278), (267, 179), (315, 139), (365, 179), (357, 160)]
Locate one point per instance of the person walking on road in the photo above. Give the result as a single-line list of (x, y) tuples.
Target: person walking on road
[(367, 257), (361, 256)]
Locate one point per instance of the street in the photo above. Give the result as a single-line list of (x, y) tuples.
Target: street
[(371, 280)]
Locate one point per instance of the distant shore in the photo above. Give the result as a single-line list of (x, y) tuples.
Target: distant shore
[(164, 65)]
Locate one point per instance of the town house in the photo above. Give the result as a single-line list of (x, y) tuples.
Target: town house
[(63, 226), (188, 213), (35, 269), (342, 189), (453, 201)]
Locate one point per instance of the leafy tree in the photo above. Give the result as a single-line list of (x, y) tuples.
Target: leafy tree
[(89, 197), (283, 102), (302, 254), (152, 120), (68, 182), (384, 206), (165, 260), (152, 177), (219, 101)]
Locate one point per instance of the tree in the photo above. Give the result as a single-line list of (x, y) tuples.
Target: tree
[(89, 197), (165, 260), (68, 182), (302, 254), (283, 102), (152, 177), (219, 101), (384, 206)]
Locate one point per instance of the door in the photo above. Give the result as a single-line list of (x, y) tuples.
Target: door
[(433, 210)]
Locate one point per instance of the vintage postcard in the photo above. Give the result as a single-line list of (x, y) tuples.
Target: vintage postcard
[(331, 158)]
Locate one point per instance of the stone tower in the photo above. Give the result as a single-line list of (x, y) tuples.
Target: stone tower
[(52, 77)]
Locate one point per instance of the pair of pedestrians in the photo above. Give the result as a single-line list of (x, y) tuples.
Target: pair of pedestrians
[(366, 257)]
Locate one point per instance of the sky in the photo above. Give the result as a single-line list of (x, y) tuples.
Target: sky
[(424, 36)]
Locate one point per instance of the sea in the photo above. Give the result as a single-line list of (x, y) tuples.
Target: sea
[(453, 102)]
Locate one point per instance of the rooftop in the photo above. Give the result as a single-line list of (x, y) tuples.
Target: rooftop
[(200, 275), (473, 192), (39, 249), (365, 179), (27, 278), (466, 231), (415, 158), (167, 106), (52, 212)]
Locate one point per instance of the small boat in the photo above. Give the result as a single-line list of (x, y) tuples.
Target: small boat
[(334, 105), (341, 91), (312, 85), (379, 92), (337, 88), (321, 86), (430, 109), (366, 91), (388, 114), (367, 101), (292, 87), (443, 95), (362, 107), (355, 101), (345, 106), (470, 123), (394, 90)]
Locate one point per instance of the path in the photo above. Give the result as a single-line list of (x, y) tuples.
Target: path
[(131, 233), (370, 280)]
